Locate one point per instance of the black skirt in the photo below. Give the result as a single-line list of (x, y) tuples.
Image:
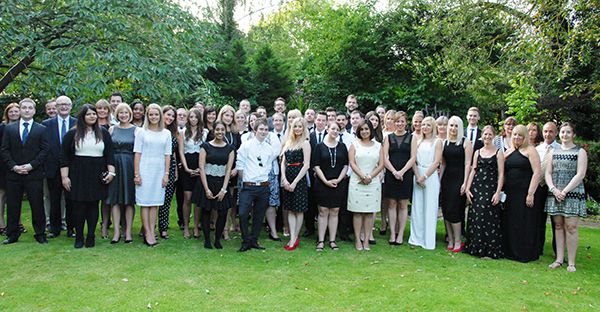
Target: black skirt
[(85, 175)]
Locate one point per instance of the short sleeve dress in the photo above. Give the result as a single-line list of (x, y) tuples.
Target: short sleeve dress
[(121, 191), (331, 160), (153, 147), (365, 198), (215, 167), (564, 168)]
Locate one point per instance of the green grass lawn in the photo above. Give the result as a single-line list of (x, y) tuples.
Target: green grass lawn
[(181, 275)]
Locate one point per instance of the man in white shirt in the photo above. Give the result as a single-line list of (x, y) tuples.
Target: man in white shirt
[(254, 160), (351, 105), (549, 132), (345, 136)]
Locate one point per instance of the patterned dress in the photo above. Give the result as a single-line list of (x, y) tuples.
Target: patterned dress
[(564, 168), (163, 211), (298, 199), (484, 230)]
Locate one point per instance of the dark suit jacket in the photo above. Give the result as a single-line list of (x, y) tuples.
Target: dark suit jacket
[(33, 152), (478, 142), (52, 161)]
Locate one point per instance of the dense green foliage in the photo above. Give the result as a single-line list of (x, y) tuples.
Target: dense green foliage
[(535, 59)]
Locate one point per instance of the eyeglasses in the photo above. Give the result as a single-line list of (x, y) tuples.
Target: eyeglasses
[(62, 104), (260, 164)]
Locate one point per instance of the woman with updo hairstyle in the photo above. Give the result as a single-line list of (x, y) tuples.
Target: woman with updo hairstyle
[(388, 123), (504, 140), (442, 127), (417, 119), (521, 221)]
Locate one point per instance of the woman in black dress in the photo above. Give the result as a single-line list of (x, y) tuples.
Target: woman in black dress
[(456, 165), (520, 220), (330, 162), (215, 163), (484, 231), (397, 189), (11, 114), (295, 161), (87, 166), (121, 192)]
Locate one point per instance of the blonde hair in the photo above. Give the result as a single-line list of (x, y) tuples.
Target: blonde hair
[(155, 106), (390, 113), (293, 142), (232, 127), (461, 131), (433, 127), (522, 130), (103, 102), (123, 107)]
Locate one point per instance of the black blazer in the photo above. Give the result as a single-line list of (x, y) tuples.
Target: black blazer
[(52, 161), (33, 152), (478, 142)]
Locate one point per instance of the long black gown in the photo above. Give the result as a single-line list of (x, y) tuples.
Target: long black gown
[(520, 222), (452, 202), (484, 231)]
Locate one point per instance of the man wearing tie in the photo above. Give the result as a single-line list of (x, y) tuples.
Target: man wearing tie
[(472, 132), (315, 138), (24, 150), (309, 116), (56, 129)]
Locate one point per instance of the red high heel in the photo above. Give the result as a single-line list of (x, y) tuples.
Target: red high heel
[(459, 249), (289, 248), (297, 243)]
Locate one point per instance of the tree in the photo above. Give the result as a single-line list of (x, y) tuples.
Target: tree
[(271, 77), (148, 49)]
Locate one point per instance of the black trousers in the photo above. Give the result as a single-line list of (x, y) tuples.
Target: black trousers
[(56, 190), (14, 200), (345, 227), (255, 199), (312, 212), (85, 212), (179, 197)]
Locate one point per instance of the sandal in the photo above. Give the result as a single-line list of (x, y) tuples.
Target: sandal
[(571, 268), (555, 265), (333, 245), (320, 245)]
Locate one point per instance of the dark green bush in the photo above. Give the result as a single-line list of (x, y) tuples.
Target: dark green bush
[(592, 177)]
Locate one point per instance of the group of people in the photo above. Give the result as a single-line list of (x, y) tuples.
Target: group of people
[(328, 171)]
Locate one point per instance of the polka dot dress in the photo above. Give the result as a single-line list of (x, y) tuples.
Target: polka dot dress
[(163, 211), (298, 199)]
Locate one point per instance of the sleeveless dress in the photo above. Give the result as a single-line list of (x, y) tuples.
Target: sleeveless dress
[(163, 211), (121, 191), (453, 204), (564, 168), (520, 222), (297, 200), (215, 167), (365, 198), (484, 229), (423, 217), (153, 147), (399, 154), (331, 161)]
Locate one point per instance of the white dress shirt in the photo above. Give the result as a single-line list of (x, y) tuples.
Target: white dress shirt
[(255, 159), (543, 150)]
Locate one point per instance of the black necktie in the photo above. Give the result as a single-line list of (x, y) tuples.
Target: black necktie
[(279, 136), (320, 137), (25, 132)]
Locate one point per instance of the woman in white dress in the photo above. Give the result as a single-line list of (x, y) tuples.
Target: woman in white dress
[(364, 189), (426, 189), (152, 150)]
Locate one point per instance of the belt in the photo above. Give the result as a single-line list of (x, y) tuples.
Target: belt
[(295, 164), (265, 183)]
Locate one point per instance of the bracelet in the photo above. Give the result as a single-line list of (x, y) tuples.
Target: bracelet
[(426, 177), (224, 191), (112, 174), (552, 189)]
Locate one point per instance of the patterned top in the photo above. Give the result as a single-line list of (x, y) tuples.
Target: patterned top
[(564, 168)]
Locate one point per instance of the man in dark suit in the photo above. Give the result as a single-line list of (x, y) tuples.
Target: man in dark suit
[(472, 132), (278, 107), (316, 137), (56, 128), (24, 149)]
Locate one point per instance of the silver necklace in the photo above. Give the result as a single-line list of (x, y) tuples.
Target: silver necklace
[(332, 156)]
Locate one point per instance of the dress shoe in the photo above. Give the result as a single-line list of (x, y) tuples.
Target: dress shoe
[(128, 241), (10, 240), (70, 233), (90, 242), (78, 244), (22, 228), (218, 245), (372, 242), (53, 235), (41, 239), (244, 248), (257, 246), (273, 238), (208, 245), (115, 241)]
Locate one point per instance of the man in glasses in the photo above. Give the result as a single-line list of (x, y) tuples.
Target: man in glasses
[(254, 160)]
